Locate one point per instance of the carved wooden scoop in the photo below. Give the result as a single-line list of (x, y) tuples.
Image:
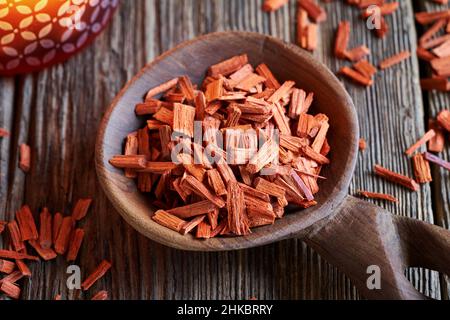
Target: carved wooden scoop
[(349, 233)]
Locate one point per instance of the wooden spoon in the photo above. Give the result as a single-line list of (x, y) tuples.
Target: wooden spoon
[(351, 234)]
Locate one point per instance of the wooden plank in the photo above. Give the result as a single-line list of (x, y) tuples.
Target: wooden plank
[(59, 112), (239, 15), (62, 106), (390, 115), (435, 102), (235, 275), (6, 122)]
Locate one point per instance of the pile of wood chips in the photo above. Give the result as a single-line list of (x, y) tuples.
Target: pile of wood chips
[(57, 235), (227, 189)]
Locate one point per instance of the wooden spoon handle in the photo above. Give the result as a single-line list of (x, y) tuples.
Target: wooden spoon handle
[(427, 245), (363, 238)]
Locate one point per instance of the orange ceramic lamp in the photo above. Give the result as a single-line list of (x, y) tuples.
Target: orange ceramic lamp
[(35, 34)]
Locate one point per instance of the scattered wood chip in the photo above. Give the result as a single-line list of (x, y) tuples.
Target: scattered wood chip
[(13, 277), (342, 39), (150, 107), (26, 223), (436, 144), (436, 160), (273, 5), (101, 295), (424, 54), (433, 30), (396, 178), (10, 289), (302, 27), (312, 34), (129, 161), (357, 54), (6, 266), (421, 167), (422, 141), (9, 254), (203, 230), (63, 238), (442, 50), (161, 88), (201, 190), (75, 244), (168, 220), (25, 158), (193, 209), (183, 119), (430, 17), (23, 268), (434, 42), (363, 4), (4, 133), (443, 119), (97, 274), (383, 30), (186, 88), (395, 59), (164, 116), (270, 188), (356, 76), (216, 182), (45, 253), (378, 196), (259, 218), (365, 68), (81, 209), (15, 236), (190, 225), (315, 11), (264, 71), (229, 66), (362, 144)]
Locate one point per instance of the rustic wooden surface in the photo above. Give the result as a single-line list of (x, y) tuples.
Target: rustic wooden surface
[(57, 112)]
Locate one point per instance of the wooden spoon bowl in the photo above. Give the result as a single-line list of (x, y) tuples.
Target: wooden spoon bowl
[(192, 58)]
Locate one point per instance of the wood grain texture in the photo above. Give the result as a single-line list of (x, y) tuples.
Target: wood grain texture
[(390, 115), (57, 111), (434, 103)]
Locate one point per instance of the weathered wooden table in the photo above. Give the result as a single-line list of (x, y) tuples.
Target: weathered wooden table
[(57, 112)]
